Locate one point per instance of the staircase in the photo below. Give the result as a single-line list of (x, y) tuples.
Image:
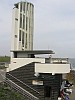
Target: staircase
[(23, 77), (18, 88)]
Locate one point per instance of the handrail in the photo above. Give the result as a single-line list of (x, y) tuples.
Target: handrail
[(23, 83), (19, 89)]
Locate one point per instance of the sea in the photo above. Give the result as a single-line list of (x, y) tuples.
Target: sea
[(72, 62)]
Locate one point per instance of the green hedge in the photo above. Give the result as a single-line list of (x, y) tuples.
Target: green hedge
[(7, 94), (4, 59)]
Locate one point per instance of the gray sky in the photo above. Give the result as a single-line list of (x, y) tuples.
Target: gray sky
[(54, 26)]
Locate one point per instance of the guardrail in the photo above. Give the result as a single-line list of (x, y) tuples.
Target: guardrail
[(23, 83), (16, 87)]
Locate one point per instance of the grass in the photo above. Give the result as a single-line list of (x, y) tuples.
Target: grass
[(71, 77), (4, 59), (7, 94)]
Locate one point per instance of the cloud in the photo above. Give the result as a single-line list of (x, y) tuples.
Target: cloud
[(54, 25)]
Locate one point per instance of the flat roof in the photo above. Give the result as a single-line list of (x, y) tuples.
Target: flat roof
[(34, 51), (60, 58)]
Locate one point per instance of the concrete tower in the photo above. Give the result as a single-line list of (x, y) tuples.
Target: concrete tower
[(22, 26)]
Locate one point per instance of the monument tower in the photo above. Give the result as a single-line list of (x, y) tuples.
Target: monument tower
[(22, 26)]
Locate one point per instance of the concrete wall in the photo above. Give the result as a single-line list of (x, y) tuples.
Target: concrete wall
[(52, 68), (15, 29), (19, 62)]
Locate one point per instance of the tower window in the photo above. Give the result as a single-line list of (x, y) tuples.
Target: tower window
[(16, 19), (23, 21), (27, 6), (20, 20), (16, 5), (26, 23), (20, 35), (21, 7), (23, 39), (24, 7), (15, 36), (26, 41)]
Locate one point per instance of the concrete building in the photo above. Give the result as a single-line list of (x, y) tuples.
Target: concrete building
[(40, 77), (22, 26)]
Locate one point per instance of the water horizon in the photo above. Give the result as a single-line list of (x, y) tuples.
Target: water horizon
[(72, 62)]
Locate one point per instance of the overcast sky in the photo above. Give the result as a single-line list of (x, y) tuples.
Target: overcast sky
[(54, 26)]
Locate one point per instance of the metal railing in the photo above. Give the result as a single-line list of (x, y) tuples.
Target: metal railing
[(23, 83), (16, 87)]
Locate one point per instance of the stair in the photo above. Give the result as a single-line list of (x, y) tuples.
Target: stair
[(18, 88), (21, 90)]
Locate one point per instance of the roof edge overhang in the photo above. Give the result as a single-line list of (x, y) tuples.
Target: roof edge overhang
[(33, 51)]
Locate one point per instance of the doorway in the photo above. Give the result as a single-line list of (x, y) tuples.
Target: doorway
[(47, 91)]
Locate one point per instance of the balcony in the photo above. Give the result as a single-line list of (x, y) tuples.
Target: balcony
[(52, 68)]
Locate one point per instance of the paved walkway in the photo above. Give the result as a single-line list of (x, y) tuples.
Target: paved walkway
[(72, 96), (2, 72)]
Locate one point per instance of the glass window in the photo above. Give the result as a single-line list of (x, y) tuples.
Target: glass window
[(23, 21), (21, 7), (23, 39), (20, 35), (16, 5), (15, 55), (24, 7), (29, 22), (16, 19), (20, 20), (26, 41), (27, 6), (26, 23), (15, 36)]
